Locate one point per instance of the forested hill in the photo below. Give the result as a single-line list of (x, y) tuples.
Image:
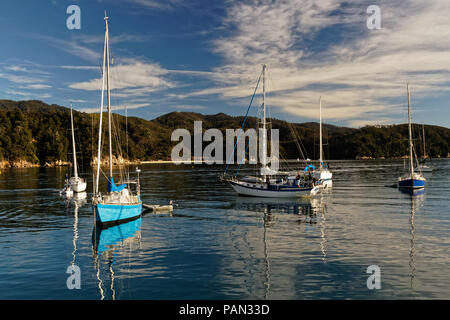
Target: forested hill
[(37, 133)]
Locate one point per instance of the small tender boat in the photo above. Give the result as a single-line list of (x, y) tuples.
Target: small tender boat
[(119, 203), (411, 180)]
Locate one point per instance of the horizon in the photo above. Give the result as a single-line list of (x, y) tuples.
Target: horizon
[(171, 56)]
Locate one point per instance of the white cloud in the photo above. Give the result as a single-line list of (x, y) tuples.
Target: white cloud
[(116, 108), (36, 86), (16, 68), (131, 78), (81, 67), (188, 107), (113, 39), (27, 95), (362, 75), (155, 4), (72, 47), (21, 78)]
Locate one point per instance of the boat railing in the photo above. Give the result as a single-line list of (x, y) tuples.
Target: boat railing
[(117, 197)]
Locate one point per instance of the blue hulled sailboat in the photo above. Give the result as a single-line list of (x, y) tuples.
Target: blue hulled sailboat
[(119, 203), (411, 180)]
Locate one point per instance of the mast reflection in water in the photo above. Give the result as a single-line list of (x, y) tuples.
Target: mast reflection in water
[(308, 211), (105, 242)]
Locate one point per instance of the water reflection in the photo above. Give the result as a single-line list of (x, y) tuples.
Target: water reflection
[(416, 200), (109, 242), (77, 201), (266, 221), (306, 208), (417, 193), (309, 210)]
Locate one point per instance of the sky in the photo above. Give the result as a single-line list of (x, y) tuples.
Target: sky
[(206, 56)]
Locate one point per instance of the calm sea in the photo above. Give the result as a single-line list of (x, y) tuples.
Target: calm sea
[(217, 245)]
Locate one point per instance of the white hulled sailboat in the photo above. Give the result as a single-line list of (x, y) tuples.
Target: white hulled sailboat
[(422, 166), (270, 183), (76, 183), (323, 174)]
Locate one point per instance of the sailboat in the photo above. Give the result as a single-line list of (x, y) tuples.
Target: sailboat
[(323, 174), (119, 203), (411, 180), (75, 183), (270, 183), (422, 166)]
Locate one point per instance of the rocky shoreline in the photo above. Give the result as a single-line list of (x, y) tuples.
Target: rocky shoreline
[(18, 164), (120, 161)]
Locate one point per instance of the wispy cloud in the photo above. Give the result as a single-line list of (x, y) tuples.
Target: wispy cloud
[(116, 108), (131, 78), (37, 86), (72, 47), (113, 39), (16, 68), (362, 75), (27, 95), (21, 79), (155, 4), (188, 107)]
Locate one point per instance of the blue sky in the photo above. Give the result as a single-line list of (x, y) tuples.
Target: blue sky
[(205, 56)]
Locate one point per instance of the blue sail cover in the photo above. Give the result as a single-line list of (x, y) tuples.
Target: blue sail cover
[(309, 166), (112, 187)]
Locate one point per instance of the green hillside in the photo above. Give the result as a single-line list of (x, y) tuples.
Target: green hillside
[(38, 133)]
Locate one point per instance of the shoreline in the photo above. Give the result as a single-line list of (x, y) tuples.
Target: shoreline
[(23, 164)]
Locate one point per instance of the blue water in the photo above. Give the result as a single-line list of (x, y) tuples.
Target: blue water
[(217, 245)]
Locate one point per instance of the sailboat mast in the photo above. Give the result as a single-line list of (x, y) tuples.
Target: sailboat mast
[(423, 136), (264, 137), (75, 171), (320, 134), (411, 164), (108, 92), (101, 113)]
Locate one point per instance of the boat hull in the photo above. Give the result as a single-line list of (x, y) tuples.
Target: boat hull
[(112, 213), (325, 178), (107, 237), (411, 184), (245, 190), (78, 187)]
